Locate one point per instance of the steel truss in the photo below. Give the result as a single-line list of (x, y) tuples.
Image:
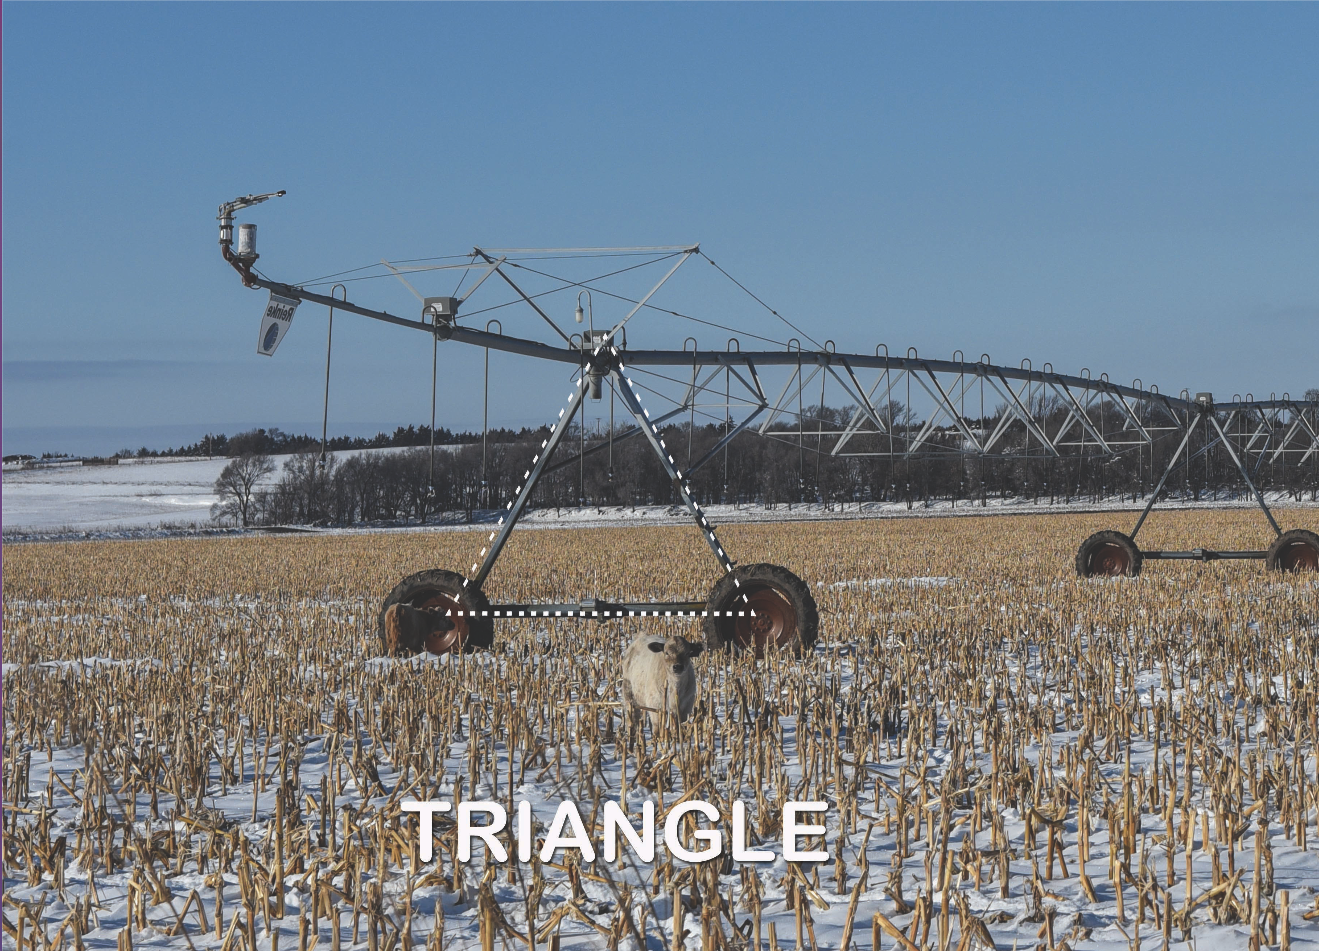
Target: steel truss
[(975, 408), (970, 409)]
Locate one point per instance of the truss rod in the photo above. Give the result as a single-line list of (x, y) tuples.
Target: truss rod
[(859, 394), (1172, 464), (946, 403), (523, 294), (515, 508), (625, 391), (651, 293), (1081, 416), (604, 444), (854, 425), (763, 358), (1244, 474), (728, 437)]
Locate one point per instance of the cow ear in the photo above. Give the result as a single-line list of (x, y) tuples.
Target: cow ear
[(694, 648), (656, 646)]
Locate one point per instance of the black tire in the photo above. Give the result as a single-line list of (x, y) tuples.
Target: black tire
[(1108, 554), (465, 603), (787, 618), (1297, 550)]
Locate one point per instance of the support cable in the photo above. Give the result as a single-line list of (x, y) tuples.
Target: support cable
[(659, 310), (761, 302)]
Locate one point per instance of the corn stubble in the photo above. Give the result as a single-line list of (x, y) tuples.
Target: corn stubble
[(203, 749)]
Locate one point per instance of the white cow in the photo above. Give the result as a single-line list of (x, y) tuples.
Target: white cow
[(658, 676)]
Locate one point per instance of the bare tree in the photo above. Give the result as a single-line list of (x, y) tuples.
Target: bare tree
[(309, 482), (236, 485)]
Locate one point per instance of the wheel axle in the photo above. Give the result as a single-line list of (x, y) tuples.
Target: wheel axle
[(756, 607), (1112, 553)]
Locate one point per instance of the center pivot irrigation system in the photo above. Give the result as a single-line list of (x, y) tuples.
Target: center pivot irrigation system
[(1034, 414)]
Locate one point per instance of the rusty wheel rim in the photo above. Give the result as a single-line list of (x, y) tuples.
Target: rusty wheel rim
[(770, 620), (1110, 559), (1299, 556), (444, 642)]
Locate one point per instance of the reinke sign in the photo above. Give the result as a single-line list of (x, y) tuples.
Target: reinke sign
[(275, 323)]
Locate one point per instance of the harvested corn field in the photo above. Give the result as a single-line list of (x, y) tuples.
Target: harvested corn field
[(204, 749)]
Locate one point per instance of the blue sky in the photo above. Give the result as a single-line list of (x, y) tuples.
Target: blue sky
[(1129, 188)]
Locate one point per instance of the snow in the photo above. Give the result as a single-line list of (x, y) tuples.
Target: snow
[(150, 497), (126, 499), (1092, 926), (1087, 925), (139, 497), (127, 496)]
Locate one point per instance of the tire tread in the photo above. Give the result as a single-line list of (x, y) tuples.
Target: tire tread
[(1285, 540), (481, 630), (718, 630), (1107, 537)]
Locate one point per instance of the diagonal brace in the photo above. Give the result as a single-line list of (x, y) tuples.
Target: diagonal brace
[(728, 437), (534, 306), (1172, 464), (604, 444), (532, 476), (1244, 474), (629, 396)]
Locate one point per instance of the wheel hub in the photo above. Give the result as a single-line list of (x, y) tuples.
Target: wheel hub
[(1110, 559), (444, 642), (1298, 556), (769, 620)]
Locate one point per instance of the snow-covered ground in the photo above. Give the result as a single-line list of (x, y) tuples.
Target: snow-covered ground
[(165, 496), (130, 495), (1013, 917), (188, 650)]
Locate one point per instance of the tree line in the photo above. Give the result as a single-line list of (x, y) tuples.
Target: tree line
[(788, 465), (276, 442)]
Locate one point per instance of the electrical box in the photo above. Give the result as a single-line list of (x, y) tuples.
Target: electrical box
[(593, 338), (440, 308)]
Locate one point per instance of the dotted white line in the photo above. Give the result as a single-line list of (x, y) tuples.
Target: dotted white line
[(682, 487), (596, 614), (572, 395)]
